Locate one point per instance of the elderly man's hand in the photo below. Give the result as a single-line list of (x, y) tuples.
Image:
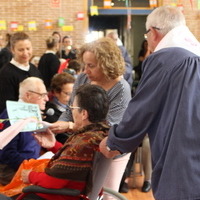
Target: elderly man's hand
[(104, 150), (46, 139), (25, 173)]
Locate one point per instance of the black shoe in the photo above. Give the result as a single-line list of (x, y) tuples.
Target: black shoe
[(146, 186), (124, 188)]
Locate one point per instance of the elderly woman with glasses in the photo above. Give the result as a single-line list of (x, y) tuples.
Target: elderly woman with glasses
[(23, 146)]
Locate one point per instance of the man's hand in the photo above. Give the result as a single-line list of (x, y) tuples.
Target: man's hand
[(59, 127), (25, 173), (46, 139), (104, 150)]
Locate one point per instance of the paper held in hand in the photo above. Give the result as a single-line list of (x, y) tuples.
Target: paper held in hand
[(23, 117)]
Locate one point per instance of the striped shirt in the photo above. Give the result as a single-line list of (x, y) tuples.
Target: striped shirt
[(119, 96)]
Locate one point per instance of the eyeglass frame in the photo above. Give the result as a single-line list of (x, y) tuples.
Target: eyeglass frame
[(41, 95), (73, 107), (145, 34)]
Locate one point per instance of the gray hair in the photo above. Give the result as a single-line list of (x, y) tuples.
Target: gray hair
[(30, 83), (165, 18)]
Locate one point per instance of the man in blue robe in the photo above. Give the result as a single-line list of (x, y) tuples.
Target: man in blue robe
[(167, 107)]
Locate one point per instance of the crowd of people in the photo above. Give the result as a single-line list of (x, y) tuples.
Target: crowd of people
[(93, 108)]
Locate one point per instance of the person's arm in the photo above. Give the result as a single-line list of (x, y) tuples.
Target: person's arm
[(42, 179)]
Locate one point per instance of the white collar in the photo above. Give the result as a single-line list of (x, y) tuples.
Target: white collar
[(50, 51), (20, 66), (180, 37)]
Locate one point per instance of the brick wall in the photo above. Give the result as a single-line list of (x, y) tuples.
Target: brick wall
[(192, 15), (24, 11)]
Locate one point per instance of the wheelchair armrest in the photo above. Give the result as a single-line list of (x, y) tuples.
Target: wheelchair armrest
[(39, 189)]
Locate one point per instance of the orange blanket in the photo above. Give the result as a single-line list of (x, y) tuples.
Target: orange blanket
[(16, 185)]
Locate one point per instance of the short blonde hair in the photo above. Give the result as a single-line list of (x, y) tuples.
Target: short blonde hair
[(108, 56)]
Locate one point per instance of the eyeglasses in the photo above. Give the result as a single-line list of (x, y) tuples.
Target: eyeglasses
[(73, 107), (145, 34), (67, 93), (41, 95)]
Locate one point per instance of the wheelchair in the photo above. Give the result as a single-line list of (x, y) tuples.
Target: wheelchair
[(101, 166)]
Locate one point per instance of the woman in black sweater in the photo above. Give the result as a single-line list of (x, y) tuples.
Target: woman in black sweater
[(17, 69)]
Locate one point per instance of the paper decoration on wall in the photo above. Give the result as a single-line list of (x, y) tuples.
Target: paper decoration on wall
[(94, 10), (14, 26), (153, 3), (48, 24), (2, 25), (180, 6), (80, 16), (61, 21), (107, 4), (55, 3), (20, 28), (173, 4), (67, 28), (32, 26)]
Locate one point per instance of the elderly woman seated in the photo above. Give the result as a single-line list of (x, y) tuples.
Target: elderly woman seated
[(71, 166)]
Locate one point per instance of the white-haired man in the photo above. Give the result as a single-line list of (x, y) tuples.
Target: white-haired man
[(23, 146), (166, 106)]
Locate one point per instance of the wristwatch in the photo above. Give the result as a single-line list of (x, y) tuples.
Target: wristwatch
[(108, 148)]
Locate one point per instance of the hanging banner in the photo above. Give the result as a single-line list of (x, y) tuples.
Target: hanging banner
[(61, 21), (67, 28), (13, 26), (55, 3), (48, 24), (153, 3), (107, 4), (80, 16), (20, 28), (32, 26), (180, 6), (94, 10), (2, 25)]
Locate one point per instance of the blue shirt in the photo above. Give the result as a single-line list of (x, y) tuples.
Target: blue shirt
[(22, 147)]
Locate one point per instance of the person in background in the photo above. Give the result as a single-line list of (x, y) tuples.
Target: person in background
[(144, 52), (23, 146), (74, 65), (103, 66), (5, 53), (146, 164), (69, 50), (49, 62), (35, 60), (19, 68), (166, 106), (71, 167), (2, 42), (57, 35), (61, 89), (129, 67)]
